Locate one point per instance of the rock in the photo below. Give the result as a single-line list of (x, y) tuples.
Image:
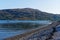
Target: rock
[(57, 28), (56, 36)]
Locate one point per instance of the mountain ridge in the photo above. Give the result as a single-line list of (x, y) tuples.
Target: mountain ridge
[(27, 14)]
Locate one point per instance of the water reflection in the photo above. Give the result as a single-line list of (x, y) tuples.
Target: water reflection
[(15, 27), (20, 24)]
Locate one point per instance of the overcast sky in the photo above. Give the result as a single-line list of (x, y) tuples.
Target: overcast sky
[(51, 6)]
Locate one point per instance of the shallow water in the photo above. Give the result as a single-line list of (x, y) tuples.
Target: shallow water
[(9, 33)]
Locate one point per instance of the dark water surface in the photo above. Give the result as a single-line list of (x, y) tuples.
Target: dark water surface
[(8, 33)]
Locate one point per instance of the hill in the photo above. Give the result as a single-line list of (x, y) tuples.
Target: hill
[(27, 14)]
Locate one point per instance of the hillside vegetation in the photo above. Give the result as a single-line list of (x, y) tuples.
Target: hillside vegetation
[(27, 14)]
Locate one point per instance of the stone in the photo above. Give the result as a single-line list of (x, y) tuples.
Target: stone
[(57, 28)]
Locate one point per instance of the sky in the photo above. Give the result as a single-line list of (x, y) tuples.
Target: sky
[(50, 6)]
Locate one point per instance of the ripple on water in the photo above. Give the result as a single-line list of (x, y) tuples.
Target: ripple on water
[(9, 33)]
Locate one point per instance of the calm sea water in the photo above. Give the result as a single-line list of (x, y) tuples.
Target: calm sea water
[(25, 21), (8, 33)]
